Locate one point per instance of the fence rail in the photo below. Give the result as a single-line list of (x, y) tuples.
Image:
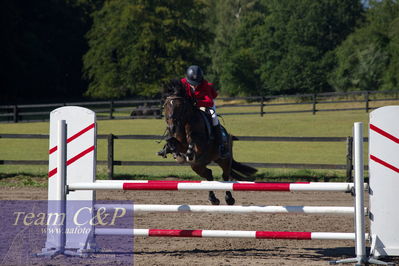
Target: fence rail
[(264, 105), (111, 162)]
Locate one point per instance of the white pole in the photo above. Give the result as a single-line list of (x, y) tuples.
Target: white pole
[(61, 178), (359, 194), (61, 160), (226, 234), (231, 209), (223, 186)]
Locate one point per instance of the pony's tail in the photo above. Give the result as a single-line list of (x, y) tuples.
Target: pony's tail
[(242, 172)]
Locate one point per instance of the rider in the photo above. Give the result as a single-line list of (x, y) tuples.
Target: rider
[(203, 92)]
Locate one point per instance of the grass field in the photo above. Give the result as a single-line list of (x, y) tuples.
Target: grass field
[(326, 124)]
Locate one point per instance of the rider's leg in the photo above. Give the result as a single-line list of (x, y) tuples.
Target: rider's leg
[(167, 147), (224, 153), (164, 151)]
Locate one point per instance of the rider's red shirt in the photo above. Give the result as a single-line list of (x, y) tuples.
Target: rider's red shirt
[(204, 93)]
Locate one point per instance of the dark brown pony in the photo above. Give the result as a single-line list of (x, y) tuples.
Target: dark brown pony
[(189, 141)]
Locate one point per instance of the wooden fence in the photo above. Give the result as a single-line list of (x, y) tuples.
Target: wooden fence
[(260, 105), (111, 162)]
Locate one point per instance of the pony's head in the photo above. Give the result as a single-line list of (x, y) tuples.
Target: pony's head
[(178, 106), (174, 88)]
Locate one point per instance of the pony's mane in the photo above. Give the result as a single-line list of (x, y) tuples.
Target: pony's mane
[(174, 88)]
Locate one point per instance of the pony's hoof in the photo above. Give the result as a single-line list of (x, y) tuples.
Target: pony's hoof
[(190, 156), (215, 201), (180, 159), (230, 201)]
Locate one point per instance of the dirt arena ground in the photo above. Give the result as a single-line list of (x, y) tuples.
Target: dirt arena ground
[(206, 251)]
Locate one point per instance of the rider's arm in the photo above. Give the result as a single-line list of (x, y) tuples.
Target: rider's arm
[(205, 101)]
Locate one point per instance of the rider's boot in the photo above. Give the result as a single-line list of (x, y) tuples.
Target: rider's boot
[(223, 151), (164, 151), (166, 148)]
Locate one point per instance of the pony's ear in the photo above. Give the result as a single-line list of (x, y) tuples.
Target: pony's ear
[(168, 88), (174, 87)]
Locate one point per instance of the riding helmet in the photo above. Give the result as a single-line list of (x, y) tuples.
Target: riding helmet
[(194, 75)]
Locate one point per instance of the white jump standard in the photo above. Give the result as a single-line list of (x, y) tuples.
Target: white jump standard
[(79, 183)]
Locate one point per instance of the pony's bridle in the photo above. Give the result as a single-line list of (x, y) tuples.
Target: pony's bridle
[(177, 119)]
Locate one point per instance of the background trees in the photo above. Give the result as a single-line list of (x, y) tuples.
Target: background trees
[(42, 45), (296, 40), (368, 58), (136, 45), (59, 50)]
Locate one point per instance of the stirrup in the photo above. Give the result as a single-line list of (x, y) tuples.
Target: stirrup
[(162, 153), (223, 152)]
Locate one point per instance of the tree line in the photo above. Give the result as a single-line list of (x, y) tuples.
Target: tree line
[(115, 49)]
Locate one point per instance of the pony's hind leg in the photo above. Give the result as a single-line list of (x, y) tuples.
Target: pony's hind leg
[(206, 173)]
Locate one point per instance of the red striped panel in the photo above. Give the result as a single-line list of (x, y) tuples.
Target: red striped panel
[(384, 133), (155, 185), (72, 160), (174, 181), (384, 163), (75, 136), (261, 186), (53, 149), (52, 172), (283, 235), (80, 155), (175, 233)]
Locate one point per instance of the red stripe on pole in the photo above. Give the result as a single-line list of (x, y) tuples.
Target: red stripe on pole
[(155, 185), (262, 186), (53, 149), (378, 160), (81, 132), (72, 160), (75, 136), (283, 235), (384, 133), (175, 233), (173, 181), (80, 155), (52, 172)]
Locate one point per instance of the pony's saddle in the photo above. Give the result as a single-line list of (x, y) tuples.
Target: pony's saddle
[(207, 119), (172, 143)]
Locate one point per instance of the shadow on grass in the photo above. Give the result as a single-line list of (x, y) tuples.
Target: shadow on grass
[(327, 254), (21, 175), (306, 176), (296, 176), (148, 177), (23, 179)]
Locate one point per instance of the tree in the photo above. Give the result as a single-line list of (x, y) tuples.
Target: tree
[(369, 58), (296, 40), (233, 59), (42, 46), (136, 45)]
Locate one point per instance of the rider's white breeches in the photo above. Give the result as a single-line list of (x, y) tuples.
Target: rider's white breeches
[(215, 120)]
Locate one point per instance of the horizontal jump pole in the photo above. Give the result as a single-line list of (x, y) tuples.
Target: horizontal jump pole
[(225, 234), (214, 185), (231, 209)]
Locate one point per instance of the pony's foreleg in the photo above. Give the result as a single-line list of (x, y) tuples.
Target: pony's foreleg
[(206, 173), (225, 164), (191, 141), (190, 152), (228, 197)]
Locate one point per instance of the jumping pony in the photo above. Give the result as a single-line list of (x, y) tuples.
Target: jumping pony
[(190, 140)]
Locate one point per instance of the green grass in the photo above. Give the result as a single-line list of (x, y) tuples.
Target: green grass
[(328, 124)]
